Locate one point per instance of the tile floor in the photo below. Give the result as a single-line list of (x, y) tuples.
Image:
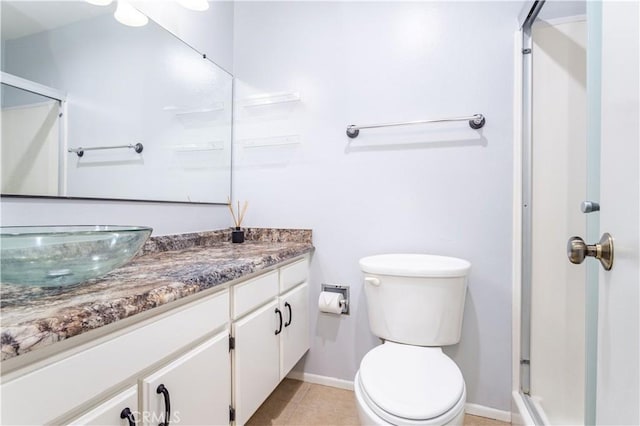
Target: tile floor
[(296, 403)]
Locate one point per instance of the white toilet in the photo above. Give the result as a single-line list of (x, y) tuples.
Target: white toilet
[(415, 303)]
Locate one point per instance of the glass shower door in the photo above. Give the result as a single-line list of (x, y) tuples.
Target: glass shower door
[(31, 146), (564, 172)]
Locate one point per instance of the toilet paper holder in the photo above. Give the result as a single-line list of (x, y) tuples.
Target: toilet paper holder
[(342, 289)]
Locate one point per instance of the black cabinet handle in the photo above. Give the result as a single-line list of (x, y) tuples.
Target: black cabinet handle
[(288, 306), (167, 404), (127, 414), (279, 330)]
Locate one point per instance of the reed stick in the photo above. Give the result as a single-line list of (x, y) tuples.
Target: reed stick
[(244, 210), (233, 215)]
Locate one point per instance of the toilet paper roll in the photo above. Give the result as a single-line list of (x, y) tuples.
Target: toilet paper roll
[(330, 302)]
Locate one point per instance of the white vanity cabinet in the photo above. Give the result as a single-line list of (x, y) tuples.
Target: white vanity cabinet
[(271, 333), (76, 383), (216, 357)]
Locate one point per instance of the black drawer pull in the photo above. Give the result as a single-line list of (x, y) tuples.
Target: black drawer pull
[(288, 306), (279, 330), (127, 414), (167, 404)]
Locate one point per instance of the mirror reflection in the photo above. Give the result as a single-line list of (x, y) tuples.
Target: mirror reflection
[(92, 108)]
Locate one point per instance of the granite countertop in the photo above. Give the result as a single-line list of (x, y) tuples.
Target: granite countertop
[(167, 269)]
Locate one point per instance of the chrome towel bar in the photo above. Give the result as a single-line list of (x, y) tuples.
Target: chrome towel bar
[(80, 150), (476, 121)]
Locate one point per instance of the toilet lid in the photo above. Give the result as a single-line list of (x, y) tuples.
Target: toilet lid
[(411, 382), (415, 265)]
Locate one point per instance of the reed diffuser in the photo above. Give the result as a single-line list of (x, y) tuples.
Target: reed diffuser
[(237, 235)]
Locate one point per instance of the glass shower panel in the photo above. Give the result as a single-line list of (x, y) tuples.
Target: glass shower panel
[(559, 180), (30, 143)]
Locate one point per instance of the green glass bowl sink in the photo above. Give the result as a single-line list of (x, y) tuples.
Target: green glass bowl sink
[(48, 256)]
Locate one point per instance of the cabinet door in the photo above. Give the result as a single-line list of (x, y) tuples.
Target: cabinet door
[(294, 340), (198, 385), (256, 359), (108, 413)]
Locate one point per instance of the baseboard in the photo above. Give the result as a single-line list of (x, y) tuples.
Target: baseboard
[(488, 412), (473, 409), (321, 380), (521, 415)]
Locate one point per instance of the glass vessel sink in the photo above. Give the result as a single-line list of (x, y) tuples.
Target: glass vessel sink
[(48, 256)]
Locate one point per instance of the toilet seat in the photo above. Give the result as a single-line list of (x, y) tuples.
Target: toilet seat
[(404, 384)]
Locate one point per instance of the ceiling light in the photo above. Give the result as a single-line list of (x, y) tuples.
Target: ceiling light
[(100, 2), (198, 5), (129, 15)]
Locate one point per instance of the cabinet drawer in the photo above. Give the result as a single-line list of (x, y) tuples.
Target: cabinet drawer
[(108, 413), (294, 274), (254, 293), (85, 375)]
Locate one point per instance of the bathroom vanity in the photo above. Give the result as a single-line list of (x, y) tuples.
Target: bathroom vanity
[(219, 327)]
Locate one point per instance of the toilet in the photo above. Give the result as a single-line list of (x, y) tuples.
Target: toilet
[(416, 304)]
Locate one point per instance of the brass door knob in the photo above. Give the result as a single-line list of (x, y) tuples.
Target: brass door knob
[(577, 250)]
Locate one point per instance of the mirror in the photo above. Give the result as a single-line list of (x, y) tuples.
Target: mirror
[(92, 108)]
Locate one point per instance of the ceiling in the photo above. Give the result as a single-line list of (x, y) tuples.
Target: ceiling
[(22, 18), (558, 9)]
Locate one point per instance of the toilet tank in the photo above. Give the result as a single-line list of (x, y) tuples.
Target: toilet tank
[(415, 299)]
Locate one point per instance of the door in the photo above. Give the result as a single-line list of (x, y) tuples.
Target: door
[(294, 341), (121, 410), (256, 359), (196, 386), (618, 320)]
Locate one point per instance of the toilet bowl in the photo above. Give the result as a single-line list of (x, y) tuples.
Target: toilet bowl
[(415, 304), (409, 385)]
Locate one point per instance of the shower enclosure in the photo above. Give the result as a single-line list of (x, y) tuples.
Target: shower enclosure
[(32, 156), (560, 195)]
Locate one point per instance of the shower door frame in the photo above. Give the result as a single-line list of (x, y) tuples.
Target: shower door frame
[(522, 263), (525, 216)]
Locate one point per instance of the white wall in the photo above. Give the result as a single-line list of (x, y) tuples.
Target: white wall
[(165, 218), (210, 32), (29, 152), (443, 190), (559, 155)]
